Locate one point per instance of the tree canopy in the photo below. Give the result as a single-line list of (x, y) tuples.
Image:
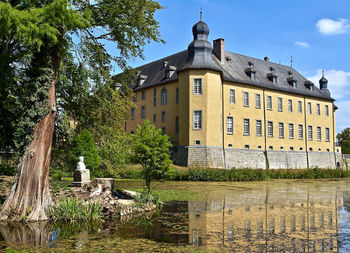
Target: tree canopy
[(151, 150), (344, 140)]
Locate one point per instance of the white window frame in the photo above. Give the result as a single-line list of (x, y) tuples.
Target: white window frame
[(326, 110), (197, 120), (327, 133), (197, 86), (232, 96), (229, 125), (310, 133), (319, 133), (269, 129), (318, 109), (269, 103), (309, 107), (290, 105), (163, 96), (258, 129), (280, 104), (280, 130), (257, 101), (291, 130), (301, 132), (300, 107), (245, 99), (246, 127)]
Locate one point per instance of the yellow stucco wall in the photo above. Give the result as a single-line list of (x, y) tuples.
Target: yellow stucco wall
[(210, 103)]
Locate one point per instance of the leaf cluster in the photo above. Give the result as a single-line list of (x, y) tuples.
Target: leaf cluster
[(344, 140)]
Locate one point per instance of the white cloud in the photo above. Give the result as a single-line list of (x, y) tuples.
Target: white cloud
[(301, 44), (331, 27), (338, 82)]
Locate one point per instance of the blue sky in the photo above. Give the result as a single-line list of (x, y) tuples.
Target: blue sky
[(315, 33)]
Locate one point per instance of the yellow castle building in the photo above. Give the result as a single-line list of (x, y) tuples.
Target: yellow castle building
[(225, 110)]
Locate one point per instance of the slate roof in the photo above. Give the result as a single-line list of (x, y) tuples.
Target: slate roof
[(232, 71)]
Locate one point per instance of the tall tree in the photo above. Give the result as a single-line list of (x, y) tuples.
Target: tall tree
[(151, 150), (344, 140), (38, 36)]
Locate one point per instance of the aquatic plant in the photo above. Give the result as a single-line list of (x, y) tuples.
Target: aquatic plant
[(147, 197), (69, 210)]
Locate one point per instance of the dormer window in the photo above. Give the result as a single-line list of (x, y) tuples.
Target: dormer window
[(272, 75), (165, 63), (250, 71), (309, 85), (141, 80), (170, 71), (291, 80), (228, 59)]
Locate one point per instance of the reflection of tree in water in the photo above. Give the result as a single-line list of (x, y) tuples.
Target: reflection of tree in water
[(43, 233), (17, 234)]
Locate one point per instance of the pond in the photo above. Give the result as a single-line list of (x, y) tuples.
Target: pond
[(269, 216)]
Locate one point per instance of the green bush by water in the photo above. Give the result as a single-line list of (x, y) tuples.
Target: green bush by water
[(69, 210), (147, 197), (258, 174)]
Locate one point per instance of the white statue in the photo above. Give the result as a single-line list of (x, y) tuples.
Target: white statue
[(81, 165)]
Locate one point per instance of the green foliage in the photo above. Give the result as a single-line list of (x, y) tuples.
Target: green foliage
[(147, 197), (151, 150), (8, 167), (69, 210), (344, 140), (258, 174), (84, 145)]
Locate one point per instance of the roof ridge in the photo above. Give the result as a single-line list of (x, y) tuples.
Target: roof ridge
[(152, 62)]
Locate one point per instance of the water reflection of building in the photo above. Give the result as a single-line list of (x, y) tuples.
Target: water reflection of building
[(297, 221)]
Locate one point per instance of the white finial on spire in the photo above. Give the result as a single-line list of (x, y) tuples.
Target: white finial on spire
[(322, 72), (291, 61)]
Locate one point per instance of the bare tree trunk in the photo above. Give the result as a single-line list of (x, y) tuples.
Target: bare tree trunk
[(30, 194)]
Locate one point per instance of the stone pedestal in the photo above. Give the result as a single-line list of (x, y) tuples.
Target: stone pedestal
[(81, 178), (107, 183)]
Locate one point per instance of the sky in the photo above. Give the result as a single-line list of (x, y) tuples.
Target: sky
[(315, 33)]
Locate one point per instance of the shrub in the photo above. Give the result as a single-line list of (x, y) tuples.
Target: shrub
[(84, 145), (69, 210), (147, 197)]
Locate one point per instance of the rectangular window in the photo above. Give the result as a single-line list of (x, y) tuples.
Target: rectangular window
[(258, 128), (280, 130), (301, 132), (310, 133), (300, 107), (290, 105), (134, 98), (280, 105), (143, 95), (270, 129), (143, 112), (197, 120), (291, 131), (319, 133), (177, 125), (177, 95), (230, 125), (163, 130), (232, 96), (318, 109), (327, 134), (154, 118), (246, 127), (257, 101), (197, 86), (154, 96), (309, 108), (326, 110), (269, 103), (163, 117), (132, 113), (245, 98)]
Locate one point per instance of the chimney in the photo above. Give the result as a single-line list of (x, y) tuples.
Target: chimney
[(266, 58), (219, 48)]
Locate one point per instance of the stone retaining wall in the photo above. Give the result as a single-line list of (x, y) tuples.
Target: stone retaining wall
[(213, 157)]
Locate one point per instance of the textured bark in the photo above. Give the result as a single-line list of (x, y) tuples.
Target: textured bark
[(30, 194)]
